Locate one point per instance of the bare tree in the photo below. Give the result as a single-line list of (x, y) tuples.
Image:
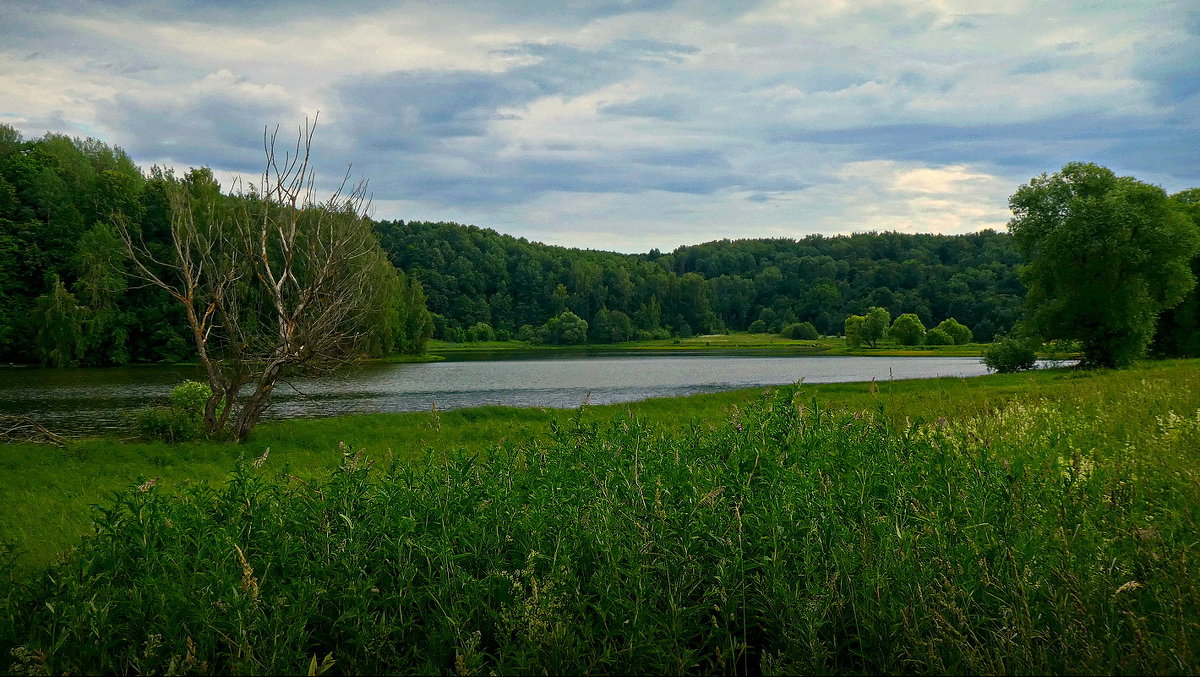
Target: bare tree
[(271, 280)]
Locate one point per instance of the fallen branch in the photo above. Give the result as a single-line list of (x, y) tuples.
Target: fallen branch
[(16, 429)]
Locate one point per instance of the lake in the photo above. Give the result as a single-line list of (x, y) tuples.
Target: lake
[(92, 400)]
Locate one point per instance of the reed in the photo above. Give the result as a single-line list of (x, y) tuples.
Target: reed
[(1036, 535)]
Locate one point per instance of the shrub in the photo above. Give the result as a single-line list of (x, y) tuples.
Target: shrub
[(182, 420), (908, 330), (938, 337), (854, 325), (1009, 355), (757, 327), (959, 333), (802, 331), (481, 331)]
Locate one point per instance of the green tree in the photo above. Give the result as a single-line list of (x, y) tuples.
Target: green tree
[(854, 325), (908, 330), (566, 329), (58, 319), (1010, 354), (958, 333), (1106, 255), (875, 325), (938, 337), (1178, 332), (803, 331), (481, 331)]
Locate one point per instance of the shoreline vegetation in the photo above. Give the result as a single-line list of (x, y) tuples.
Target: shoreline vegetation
[(741, 342), (732, 342), (34, 484), (1035, 522)]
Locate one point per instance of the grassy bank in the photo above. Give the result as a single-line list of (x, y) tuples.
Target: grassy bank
[(736, 341), (48, 492), (732, 342), (1036, 523)]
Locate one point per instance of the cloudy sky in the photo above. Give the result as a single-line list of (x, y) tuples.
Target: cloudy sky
[(631, 124)]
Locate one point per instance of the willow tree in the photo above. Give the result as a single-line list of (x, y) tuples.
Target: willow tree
[(1106, 255), (272, 280)]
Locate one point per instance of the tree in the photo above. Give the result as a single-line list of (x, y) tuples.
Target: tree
[(854, 325), (1010, 354), (272, 281), (908, 330), (1106, 255), (1178, 333), (59, 321), (938, 337), (958, 333), (875, 325), (567, 328), (804, 331)]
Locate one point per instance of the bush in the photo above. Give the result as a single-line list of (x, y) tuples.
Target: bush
[(757, 327), (908, 330), (182, 420), (1009, 355), (937, 337), (801, 331), (481, 331), (958, 332)]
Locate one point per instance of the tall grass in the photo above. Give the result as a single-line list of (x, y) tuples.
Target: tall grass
[(1041, 536)]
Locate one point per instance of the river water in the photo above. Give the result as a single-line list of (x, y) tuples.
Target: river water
[(92, 400)]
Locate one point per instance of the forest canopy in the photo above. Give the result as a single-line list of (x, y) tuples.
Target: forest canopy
[(65, 296)]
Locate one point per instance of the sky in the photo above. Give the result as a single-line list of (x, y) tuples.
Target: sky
[(628, 125)]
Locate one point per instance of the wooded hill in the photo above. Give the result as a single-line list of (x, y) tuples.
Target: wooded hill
[(473, 275), (64, 298)]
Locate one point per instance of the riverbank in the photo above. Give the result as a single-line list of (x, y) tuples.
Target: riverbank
[(735, 342), (47, 491), (1040, 522)]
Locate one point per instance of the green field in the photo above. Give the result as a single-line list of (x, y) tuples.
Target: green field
[(1041, 522)]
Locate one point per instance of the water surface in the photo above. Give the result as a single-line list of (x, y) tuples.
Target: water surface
[(90, 400)]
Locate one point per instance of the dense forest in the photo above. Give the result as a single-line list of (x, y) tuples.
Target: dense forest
[(475, 276), (65, 295), (65, 298)]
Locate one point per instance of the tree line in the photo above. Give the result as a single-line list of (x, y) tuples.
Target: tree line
[(483, 284), (70, 293)]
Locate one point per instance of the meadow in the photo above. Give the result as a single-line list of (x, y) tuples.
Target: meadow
[(1032, 523)]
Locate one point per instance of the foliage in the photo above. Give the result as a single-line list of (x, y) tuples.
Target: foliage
[(875, 325), (1010, 354), (481, 331), (788, 539), (565, 329), (804, 331), (59, 320), (182, 420), (853, 330), (270, 280), (959, 333), (1178, 331), (474, 274), (1106, 255), (908, 330), (938, 337)]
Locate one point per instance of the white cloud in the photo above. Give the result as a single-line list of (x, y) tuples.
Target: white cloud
[(790, 117)]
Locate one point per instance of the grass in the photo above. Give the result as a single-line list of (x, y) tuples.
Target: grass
[(48, 492), (1033, 523), (734, 341)]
